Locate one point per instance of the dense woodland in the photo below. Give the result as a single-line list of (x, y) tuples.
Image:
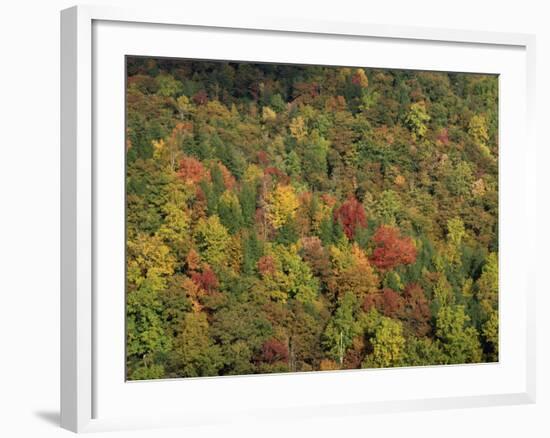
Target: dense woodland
[(287, 218)]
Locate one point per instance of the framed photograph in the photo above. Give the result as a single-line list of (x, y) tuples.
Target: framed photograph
[(273, 218)]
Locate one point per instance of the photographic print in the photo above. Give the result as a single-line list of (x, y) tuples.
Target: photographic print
[(294, 218)]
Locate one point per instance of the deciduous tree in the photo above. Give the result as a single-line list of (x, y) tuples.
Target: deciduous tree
[(460, 341), (351, 215), (282, 204), (212, 240), (392, 249), (417, 118)]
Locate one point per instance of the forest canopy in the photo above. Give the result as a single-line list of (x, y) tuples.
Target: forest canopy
[(288, 218)]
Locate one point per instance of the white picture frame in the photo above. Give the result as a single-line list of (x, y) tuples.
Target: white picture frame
[(92, 386)]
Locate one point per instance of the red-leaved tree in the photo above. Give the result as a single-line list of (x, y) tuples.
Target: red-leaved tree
[(266, 265), (200, 98), (393, 303), (273, 351), (191, 170), (392, 249), (388, 302), (315, 256), (206, 279), (351, 215), (417, 309)]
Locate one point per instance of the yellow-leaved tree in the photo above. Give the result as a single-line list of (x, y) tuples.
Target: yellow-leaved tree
[(282, 204), (477, 128), (212, 240), (298, 128)]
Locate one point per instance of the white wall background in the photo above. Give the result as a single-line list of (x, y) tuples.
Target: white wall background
[(29, 216)]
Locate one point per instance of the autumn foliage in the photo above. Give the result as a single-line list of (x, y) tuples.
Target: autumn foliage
[(274, 350), (294, 218), (206, 279), (391, 249), (351, 215), (191, 170), (266, 265)]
